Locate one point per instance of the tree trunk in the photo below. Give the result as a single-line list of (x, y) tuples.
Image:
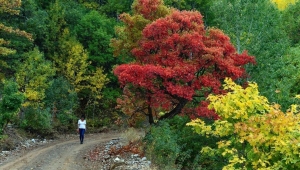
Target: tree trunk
[(176, 110), (150, 116)]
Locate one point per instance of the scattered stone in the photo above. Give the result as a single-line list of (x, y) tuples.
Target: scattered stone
[(124, 161), (23, 145)]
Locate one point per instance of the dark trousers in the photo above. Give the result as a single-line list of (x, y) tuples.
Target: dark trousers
[(81, 135)]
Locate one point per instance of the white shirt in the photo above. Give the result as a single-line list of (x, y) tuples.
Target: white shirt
[(81, 124)]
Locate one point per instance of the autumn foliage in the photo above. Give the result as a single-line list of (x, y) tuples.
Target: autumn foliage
[(143, 13), (252, 133), (10, 7), (179, 62), (283, 4)]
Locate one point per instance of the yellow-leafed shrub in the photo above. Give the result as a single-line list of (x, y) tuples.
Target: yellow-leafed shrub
[(282, 4), (253, 134)]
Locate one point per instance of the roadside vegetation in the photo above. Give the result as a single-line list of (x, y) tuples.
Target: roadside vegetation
[(213, 83)]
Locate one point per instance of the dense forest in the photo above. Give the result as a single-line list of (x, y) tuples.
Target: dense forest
[(228, 70)]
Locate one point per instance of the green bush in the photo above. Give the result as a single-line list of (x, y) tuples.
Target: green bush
[(97, 122), (162, 147), (173, 145), (37, 120), (106, 121), (65, 122), (11, 100)]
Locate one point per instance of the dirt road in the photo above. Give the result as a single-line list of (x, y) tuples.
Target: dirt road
[(60, 155)]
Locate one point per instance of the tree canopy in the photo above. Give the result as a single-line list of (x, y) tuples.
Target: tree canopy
[(248, 25), (9, 8), (178, 62), (144, 12)]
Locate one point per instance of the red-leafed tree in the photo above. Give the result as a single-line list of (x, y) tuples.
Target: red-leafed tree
[(177, 64)]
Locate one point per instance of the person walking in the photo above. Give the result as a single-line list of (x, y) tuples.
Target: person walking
[(81, 128)]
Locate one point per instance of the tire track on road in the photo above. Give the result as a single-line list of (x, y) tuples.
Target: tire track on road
[(58, 156)]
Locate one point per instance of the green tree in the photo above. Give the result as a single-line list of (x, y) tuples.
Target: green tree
[(291, 19), (56, 26), (256, 26), (44, 4), (11, 37), (72, 62), (10, 104), (113, 8), (128, 35), (203, 6), (37, 23), (69, 56), (62, 101), (74, 12), (92, 4), (34, 76), (70, 59), (290, 74), (94, 32), (11, 8)]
